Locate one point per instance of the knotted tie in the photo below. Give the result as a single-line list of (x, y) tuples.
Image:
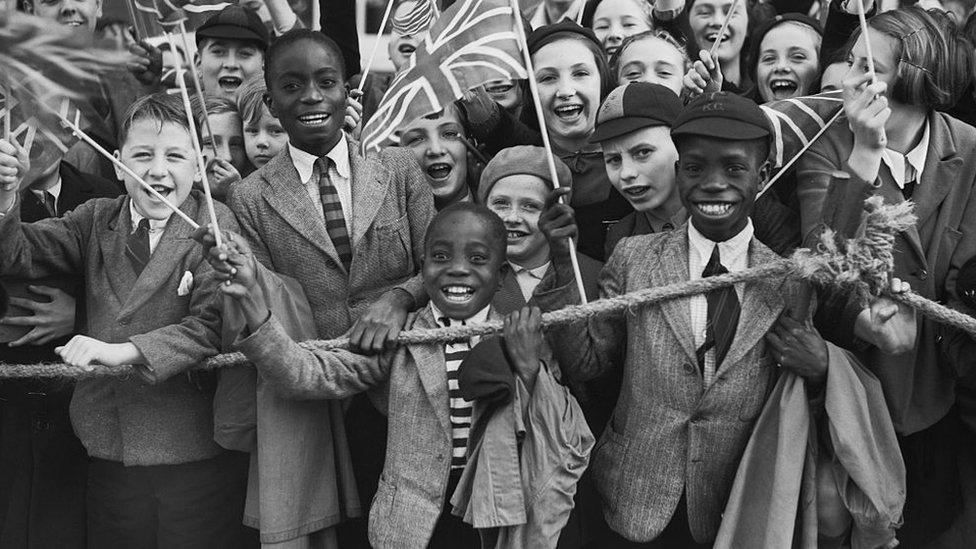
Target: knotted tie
[(335, 223), (50, 204), (137, 247), (723, 315)]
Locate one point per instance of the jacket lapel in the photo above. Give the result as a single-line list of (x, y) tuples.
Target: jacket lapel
[(672, 267), (762, 302), (286, 194), (941, 171), (509, 296), (111, 241), (429, 360), (367, 179), (172, 245)]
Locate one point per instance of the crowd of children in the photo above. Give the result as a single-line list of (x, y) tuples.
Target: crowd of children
[(622, 431)]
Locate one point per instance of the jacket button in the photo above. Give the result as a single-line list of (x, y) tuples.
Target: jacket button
[(923, 274), (689, 369), (440, 457), (123, 322)]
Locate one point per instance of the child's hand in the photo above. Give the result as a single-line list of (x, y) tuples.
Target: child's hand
[(222, 175), (233, 263), (50, 320), (867, 113), (84, 352), (558, 223), (798, 347), (887, 324), (704, 76), (354, 112), (379, 327), (145, 63), (14, 164), (523, 341)]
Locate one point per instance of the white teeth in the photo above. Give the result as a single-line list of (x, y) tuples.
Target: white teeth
[(635, 191), (439, 170), (513, 235), (715, 208), (713, 36), (569, 111), (313, 119), (458, 294)]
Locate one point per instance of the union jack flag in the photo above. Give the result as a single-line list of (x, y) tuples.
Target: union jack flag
[(415, 21), (796, 121), (153, 17), (472, 42)]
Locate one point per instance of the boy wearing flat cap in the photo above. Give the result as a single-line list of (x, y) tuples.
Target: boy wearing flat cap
[(696, 371), (633, 126)]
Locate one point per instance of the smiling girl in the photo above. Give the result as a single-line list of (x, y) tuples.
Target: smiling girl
[(785, 61)]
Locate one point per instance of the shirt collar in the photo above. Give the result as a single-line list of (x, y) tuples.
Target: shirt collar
[(480, 316), (154, 224), (304, 161), (54, 190), (536, 273), (915, 158), (729, 250)]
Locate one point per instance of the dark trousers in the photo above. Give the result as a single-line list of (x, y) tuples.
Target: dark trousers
[(676, 535), (451, 532), (187, 506)]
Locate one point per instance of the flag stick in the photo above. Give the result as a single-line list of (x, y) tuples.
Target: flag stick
[(581, 7), (196, 84), (433, 8), (201, 164), (376, 45), (799, 154), (725, 27), (140, 33), (98, 148), (867, 43), (7, 105), (533, 87)]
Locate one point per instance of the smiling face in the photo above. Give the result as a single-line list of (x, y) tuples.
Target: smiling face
[(263, 138), (788, 61), (79, 14), (507, 93), (718, 180), (640, 165), (400, 46), (463, 259), (569, 87), (227, 138), (519, 201), (436, 143), (308, 95), (706, 18), (614, 20), (162, 155), (652, 60), (225, 64)]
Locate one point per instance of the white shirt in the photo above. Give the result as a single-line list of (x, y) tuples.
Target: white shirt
[(734, 254), (528, 279), (460, 409), (54, 191), (340, 173), (907, 167), (156, 226)]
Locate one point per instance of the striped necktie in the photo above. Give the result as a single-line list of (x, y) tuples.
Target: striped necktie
[(723, 314), (50, 204), (335, 223), (137, 247)]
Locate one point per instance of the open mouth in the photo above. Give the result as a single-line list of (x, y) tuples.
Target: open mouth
[(439, 171), (499, 89), (612, 50), (313, 120), (458, 293), (73, 23), (712, 37), (230, 83), (783, 89), (636, 191), (569, 113), (406, 49), (515, 235), (161, 189), (715, 210)]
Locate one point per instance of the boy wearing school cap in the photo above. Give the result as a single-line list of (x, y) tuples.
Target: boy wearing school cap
[(633, 126), (230, 50), (696, 370)]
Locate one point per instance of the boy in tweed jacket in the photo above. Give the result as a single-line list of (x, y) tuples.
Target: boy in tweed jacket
[(156, 477)]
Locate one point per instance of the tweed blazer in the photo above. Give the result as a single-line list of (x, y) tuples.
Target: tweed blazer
[(919, 385), (669, 434), (413, 486), (392, 205), (509, 296), (164, 418)]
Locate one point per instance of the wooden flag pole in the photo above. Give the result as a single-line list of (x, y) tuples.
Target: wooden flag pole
[(140, 33), (862, 20), (725, 27), (376, 45), (201, 164), (7, 106), (98, 148), (196, 84), (534, 89)]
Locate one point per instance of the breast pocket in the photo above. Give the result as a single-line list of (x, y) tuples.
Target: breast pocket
[(390, 253)]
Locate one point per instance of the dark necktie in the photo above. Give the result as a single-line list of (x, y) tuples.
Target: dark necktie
[(909, 189), (723, 315), (137, 247), (335, 223), (50, 204)]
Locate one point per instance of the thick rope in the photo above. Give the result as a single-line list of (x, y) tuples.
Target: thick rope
[(862, 265)]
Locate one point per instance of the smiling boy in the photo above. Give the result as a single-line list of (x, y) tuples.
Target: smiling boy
[(696, 370), (156, 476), (230, 50), (437, 142)]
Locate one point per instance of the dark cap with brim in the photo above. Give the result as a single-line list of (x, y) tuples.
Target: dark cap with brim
[(235, 23), (722, 115), (635, 106)]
